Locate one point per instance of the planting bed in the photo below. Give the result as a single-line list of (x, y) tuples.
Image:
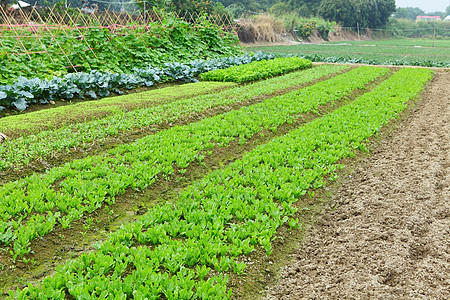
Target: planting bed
[(186, 198)]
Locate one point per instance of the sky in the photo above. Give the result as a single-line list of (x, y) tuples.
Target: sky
[(426, 5)]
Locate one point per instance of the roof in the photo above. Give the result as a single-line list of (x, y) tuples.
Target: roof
[(428, 17), (20, 4)]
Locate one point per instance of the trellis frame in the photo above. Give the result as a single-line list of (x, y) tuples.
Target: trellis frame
[(38, 24)]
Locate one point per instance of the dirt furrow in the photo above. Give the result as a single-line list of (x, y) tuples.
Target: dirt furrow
[(388, 233)]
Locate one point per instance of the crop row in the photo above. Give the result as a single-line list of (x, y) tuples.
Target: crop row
[(170, 251), (31, 123), (25, 91), (25, 149), (31, 207), (379, 60), (257, 70), (358, 58)]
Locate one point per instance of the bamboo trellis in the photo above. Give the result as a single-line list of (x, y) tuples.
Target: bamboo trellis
[(21, 30)]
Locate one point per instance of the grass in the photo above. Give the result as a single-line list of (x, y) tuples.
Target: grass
[(57, 117), (381, 51)]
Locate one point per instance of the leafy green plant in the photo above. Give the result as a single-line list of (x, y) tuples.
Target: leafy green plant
[(257, 70), (97, 84), (305, 30), (324, 30)]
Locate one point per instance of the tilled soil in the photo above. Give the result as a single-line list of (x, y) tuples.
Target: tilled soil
[(389, 234)]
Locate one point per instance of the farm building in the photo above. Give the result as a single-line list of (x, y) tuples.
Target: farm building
[(428, 18)]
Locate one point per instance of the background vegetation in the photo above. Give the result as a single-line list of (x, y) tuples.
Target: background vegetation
[(124, 49)]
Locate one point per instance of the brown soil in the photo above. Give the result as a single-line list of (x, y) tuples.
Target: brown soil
[(386, 234), (251, 39)]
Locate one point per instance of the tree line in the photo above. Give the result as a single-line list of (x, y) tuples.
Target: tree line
[(412, 13), (349, 13)]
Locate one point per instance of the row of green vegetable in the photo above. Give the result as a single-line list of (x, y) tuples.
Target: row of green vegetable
[(32, 206), (358, 58), (378, 61), (183, 250), (21, 151), (18, 125), (26, 91), (257, 70)]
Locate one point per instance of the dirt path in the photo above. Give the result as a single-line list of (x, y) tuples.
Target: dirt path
[(389, 237)]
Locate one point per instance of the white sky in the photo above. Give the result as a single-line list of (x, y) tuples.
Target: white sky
[(426, 5)]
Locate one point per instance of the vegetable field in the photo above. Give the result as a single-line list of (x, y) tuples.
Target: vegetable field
[(174, 193), (409, 52)]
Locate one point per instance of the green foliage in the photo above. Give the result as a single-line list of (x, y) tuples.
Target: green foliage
[(304, 8), (193, 5), (279, 8), (409, 28), (174, 246), (368, 13), (408, 13), (324, 30), (3, 4), (386, 52), (124, 49), (95, 83), (374, 13), (31, 123), (370, 60), (412, 12), (307, 29), (257, 70), (341, 11)]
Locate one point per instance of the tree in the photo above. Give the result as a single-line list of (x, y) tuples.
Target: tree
[(441, 14), (199, 6), (157, 4), (236, 10), (251, 6), (341, 11), (408, 13), (374, 13), (4, 4), (385, 8), (279, 8), (368, 13), (305, 7)]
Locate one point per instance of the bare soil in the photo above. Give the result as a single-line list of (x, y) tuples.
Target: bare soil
[(386, 233)]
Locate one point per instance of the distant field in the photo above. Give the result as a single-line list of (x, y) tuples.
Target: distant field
[(401, 42), (397, 52)]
